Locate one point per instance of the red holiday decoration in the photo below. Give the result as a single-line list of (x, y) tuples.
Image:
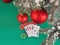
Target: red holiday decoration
[(7, 1), (39, 16), (22, 18)]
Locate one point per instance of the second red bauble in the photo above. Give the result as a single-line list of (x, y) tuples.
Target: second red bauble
[(39, 16), (22, 18), (7, 1)]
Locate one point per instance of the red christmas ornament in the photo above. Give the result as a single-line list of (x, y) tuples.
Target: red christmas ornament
[(39, 16), (22, 18), (7, 1)]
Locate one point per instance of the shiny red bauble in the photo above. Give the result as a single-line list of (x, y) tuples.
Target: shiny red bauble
[(39, 16), (7, 1), (22, 18)]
